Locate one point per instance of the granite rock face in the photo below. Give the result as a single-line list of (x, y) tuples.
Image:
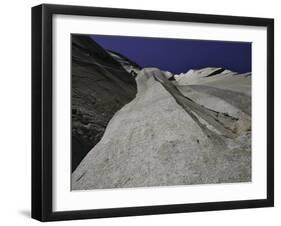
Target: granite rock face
[(100, 87), (189, 130)]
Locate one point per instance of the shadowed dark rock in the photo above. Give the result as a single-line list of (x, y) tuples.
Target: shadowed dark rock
[(100, 87), (218, 71)]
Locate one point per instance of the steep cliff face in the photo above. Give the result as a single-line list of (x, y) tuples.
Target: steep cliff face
[(174, 132), (125, 62), (100, 87)]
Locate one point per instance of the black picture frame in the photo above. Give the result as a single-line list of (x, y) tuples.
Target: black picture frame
[(42, 111)]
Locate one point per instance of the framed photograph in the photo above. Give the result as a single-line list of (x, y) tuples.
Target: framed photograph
[(145, 112)]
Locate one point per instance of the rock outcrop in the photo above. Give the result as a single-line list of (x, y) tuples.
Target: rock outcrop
[(195, 129)]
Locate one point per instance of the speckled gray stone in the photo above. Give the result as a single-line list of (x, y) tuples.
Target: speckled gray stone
[(157, 140)]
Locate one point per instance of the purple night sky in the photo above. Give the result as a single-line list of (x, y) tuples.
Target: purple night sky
[(180, 55)]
